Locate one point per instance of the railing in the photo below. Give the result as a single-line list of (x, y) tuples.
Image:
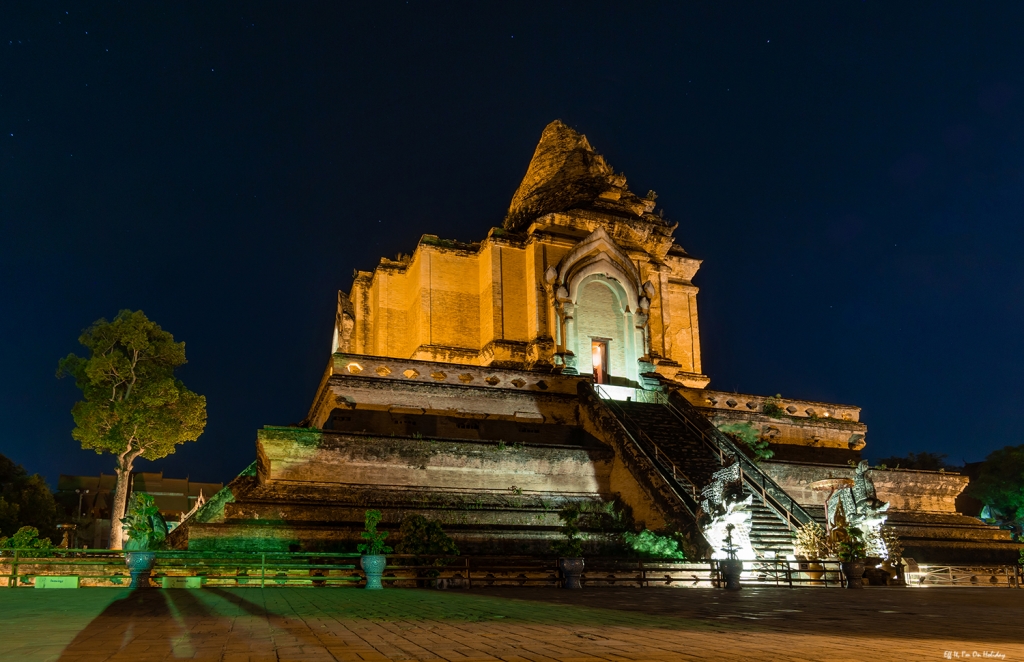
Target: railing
[(275, 569), (769, 491), (1009, 576), (635, 430), (753, 476), (107, 567), (681, 485)]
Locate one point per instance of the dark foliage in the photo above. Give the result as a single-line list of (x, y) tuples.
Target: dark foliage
[(427, 539), (920, 461), (25, 500), (572, 545), (1000, 486)]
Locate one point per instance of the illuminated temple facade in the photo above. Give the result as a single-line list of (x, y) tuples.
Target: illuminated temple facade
[(557, 361)]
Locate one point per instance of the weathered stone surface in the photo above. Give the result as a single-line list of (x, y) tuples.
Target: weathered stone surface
[(286, 456), (922, 510), (565, 173)]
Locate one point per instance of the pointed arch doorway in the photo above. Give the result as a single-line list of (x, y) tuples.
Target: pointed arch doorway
[(603, 325)]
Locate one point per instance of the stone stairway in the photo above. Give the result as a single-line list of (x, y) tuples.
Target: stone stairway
[(659, 426), (769, 532), (655, 424)]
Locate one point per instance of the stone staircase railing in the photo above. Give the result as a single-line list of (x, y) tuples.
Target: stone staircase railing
[(754, 478)]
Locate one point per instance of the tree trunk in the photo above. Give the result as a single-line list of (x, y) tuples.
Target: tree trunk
[(123, 472)]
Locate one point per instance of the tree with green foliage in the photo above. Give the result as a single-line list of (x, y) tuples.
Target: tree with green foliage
[(918, 461), (25, 500), (132, 406), (1000, 486)]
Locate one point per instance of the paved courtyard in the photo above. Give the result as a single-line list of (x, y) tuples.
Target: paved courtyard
[(514, 625)]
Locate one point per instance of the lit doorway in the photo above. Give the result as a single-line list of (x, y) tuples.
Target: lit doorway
[(599, 359)]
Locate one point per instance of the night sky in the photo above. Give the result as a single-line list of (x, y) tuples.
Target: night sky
[(852, 176)]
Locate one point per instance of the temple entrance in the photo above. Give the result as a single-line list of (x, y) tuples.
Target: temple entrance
[(599, 359), (602, 340)]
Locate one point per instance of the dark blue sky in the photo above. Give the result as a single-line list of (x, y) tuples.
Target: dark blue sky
[(851, 173)]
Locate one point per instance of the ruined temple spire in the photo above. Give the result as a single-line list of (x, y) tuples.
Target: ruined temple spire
[(566, 173)]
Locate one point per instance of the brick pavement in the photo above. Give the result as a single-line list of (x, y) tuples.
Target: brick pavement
[(514, 625)]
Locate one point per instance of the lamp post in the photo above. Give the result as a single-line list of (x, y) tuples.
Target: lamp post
[(81, 493)]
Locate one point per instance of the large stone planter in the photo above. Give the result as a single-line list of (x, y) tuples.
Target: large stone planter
[(854, 573), (373, 566), (731, 570), (140, 565), (572, 569)]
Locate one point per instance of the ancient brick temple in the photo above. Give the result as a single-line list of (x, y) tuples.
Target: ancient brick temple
[(487, 385)]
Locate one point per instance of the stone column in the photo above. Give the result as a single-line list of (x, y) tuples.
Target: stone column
[(570, 338)]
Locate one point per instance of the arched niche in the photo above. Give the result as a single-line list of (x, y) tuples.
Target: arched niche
[(603, 315), (597, 296)]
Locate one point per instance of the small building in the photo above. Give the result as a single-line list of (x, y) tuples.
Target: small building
[(89, 500)]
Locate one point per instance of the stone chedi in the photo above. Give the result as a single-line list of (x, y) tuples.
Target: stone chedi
[(557, 361)]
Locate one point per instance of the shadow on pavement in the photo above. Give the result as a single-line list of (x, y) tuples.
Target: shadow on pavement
[(976, 614), (173, 623), (126, 628)]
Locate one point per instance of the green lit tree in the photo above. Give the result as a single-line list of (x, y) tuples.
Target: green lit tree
[(132, 406), (1000, 486)]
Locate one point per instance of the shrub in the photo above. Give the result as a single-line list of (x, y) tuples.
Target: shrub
[(749, 435), (572, 546), (773, 407), (651, 545), (27, 537), (426, 538)]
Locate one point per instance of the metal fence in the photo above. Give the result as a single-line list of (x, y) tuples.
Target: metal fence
[(21, 568), (977, 576)]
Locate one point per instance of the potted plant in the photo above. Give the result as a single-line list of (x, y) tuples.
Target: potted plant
[(373, 560), (852, 551), (146, 531), (893, 563), (731, 567), (570, 550), (811, 546), (433, 548)]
